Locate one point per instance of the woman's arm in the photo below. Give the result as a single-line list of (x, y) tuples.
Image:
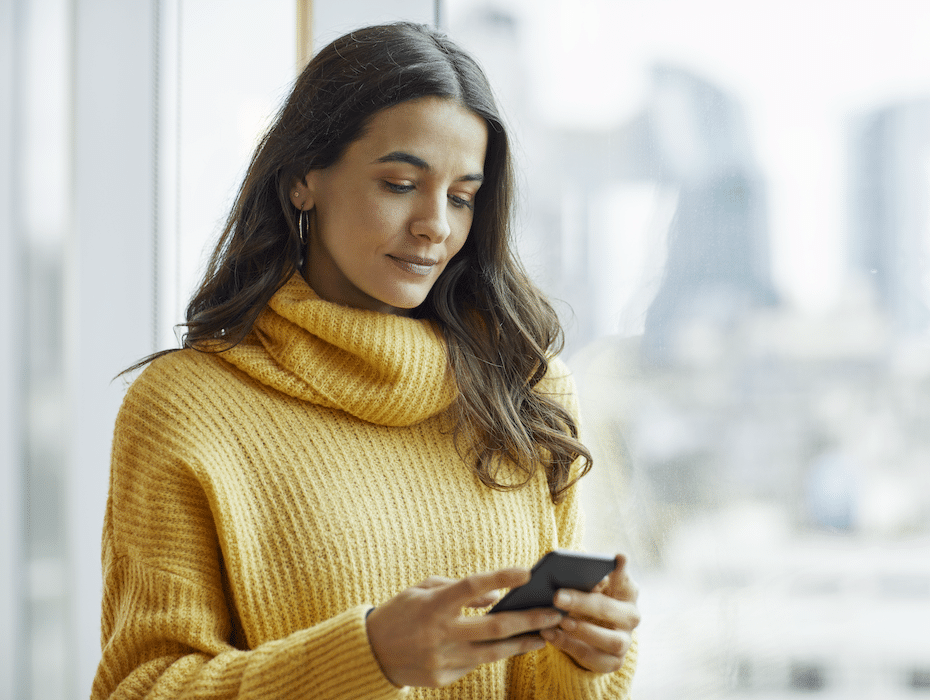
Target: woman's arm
[(170, 627), (167, 637)]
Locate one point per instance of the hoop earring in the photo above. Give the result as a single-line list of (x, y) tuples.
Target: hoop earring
[(301, 228)]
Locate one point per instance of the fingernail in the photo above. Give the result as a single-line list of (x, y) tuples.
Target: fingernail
[(568, 624), (563, 600), (548, 634)]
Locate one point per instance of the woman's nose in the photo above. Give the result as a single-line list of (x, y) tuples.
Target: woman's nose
[(432, 222)]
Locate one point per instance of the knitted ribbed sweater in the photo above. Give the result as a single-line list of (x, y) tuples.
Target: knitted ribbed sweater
[(262, 500)]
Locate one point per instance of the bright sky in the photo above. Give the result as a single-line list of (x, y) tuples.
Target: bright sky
[(800, 69)]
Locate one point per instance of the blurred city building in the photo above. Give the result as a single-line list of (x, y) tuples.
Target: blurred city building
[(677, 183), (718, 267), (763, 465), (890, 210)]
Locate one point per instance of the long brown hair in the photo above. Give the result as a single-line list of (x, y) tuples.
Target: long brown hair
[(500, 331)]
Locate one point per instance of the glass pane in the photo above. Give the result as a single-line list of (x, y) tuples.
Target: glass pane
[(730, 200), (222, 98)]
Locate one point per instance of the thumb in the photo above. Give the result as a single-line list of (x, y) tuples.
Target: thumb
[(621, 586)]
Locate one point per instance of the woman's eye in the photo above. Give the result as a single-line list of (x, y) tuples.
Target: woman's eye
[(461, 202), (399, 189)]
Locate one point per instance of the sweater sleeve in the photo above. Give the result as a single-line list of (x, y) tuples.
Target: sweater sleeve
[(169, 628), (550, 673)]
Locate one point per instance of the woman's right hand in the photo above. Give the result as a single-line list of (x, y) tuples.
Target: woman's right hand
[(421, 638)]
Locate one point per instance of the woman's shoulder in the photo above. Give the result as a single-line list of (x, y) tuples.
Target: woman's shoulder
[(558, 376), (176, 364), (178, 377), (559, 384)]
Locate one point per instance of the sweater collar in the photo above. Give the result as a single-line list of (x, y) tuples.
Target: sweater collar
[(381, 368)]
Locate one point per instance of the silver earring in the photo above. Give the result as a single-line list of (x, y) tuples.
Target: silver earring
[(300, 228)]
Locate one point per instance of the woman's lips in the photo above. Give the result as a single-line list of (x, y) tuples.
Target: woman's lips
[(413, 264)]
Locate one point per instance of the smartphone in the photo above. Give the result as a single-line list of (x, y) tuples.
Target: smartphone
[(557, 569)]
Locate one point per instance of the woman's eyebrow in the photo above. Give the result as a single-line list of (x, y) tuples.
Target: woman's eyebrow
[(401, 157), (419, 163)]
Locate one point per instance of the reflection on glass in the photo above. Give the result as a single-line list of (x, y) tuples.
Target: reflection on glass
[(739, 222)]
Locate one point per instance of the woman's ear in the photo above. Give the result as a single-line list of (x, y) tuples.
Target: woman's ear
[(301, 196)]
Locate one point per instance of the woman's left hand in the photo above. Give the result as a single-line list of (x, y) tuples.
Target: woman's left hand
[(598, 629)]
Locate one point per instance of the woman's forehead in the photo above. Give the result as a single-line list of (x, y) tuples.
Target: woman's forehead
[(428, 132)]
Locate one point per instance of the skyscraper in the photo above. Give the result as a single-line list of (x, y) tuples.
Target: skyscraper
[(718, 260), (890, 207)]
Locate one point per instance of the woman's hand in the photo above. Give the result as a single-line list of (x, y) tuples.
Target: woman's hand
[(421, 638), (598, 629)]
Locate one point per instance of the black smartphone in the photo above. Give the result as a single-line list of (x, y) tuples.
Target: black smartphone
[(557, 569)]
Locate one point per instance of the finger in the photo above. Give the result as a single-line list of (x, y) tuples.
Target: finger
[(504, 625), (625, 589), (619, 583), (583, 653), (614, 578), (605, 610), (434, 582), (485, 600), (489, 652), (457, 595), (613, 642), (468, 655), (620, 562)]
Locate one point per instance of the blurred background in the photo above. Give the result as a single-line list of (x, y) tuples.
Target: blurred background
[(729, 203)]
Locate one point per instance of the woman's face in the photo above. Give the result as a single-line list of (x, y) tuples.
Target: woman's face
[(389, 215)]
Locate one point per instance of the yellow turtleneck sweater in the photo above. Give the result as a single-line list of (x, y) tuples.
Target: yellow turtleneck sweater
[(261, 501)]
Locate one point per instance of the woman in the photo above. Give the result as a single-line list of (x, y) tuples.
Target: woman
[(364, 434)]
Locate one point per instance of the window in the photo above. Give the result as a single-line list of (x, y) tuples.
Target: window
[(731, 200)]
